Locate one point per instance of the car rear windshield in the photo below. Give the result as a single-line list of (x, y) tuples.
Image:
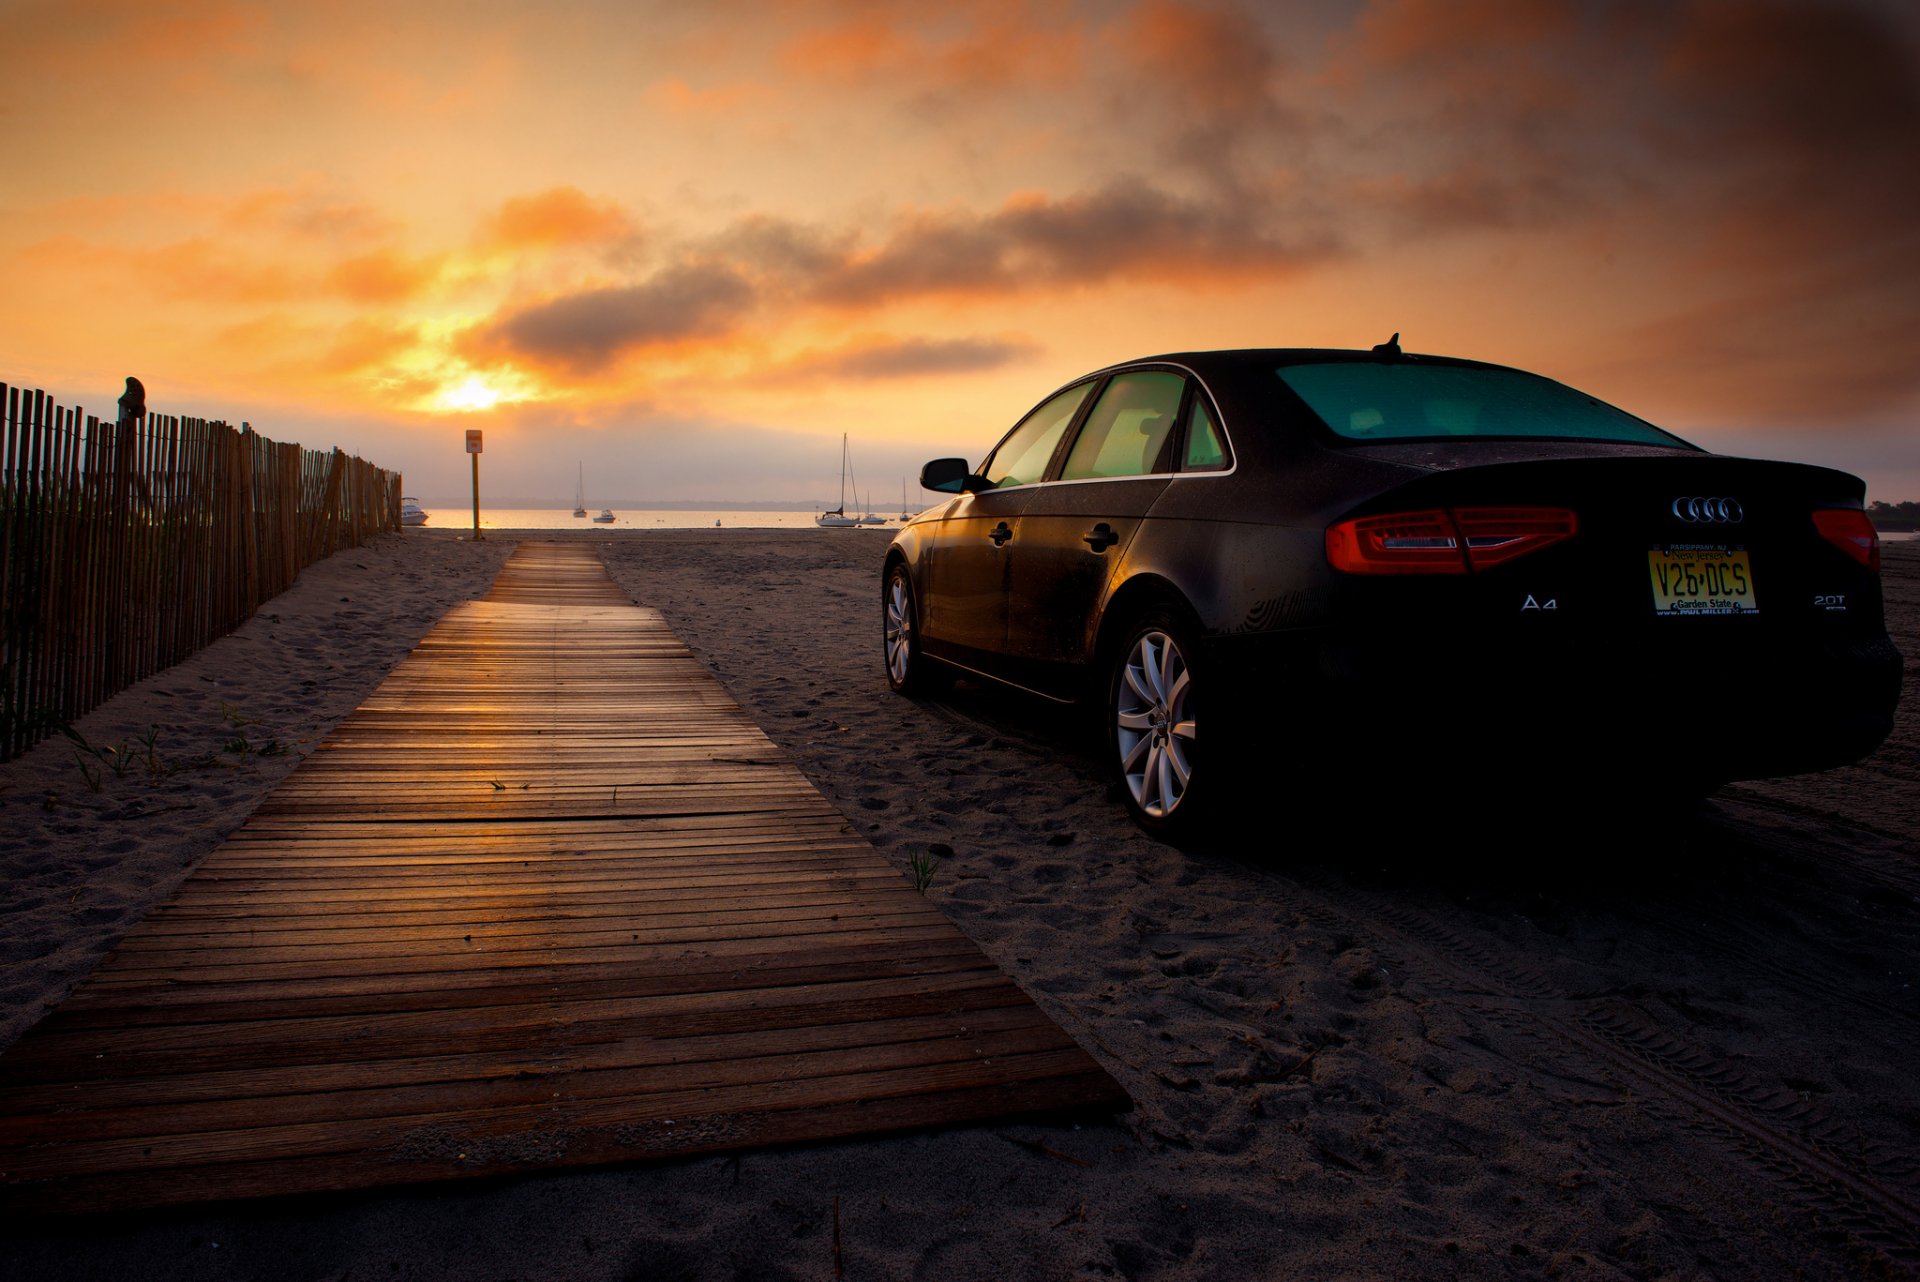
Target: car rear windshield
[(1398, 401)]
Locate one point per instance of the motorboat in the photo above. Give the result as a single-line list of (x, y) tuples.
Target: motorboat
[(605, 517), (411, 513)]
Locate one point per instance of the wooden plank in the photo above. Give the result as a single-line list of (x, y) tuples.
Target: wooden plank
[(548, 898), (142, 1005), (729, 1087), (438, 1152), (630, 1069), (35, 1109), (90, 1056)]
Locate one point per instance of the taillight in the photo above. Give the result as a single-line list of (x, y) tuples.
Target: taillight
[(1404, 543), (1439, 541), (1497, 534), (1849, 530)]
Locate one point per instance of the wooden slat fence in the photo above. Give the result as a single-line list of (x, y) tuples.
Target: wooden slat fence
[(126, 546)]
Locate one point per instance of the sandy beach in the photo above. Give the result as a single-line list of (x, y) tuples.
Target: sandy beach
[(1595, 1047)]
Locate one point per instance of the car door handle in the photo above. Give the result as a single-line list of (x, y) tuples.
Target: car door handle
[(1000, 534), (1100, 537)]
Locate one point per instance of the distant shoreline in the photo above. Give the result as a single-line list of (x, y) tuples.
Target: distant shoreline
[(511, 503)]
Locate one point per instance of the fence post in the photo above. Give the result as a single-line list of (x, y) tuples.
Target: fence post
[(249, 530), (331, 504), (119, 523)]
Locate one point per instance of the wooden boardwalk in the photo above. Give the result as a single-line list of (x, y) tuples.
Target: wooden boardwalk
[(549, 898)]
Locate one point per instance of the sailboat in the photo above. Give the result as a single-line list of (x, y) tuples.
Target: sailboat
[(580, 493), (838, 518)]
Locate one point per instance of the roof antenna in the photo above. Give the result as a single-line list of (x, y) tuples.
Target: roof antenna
[(1391, 347)]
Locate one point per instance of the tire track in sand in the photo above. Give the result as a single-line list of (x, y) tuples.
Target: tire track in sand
[(1817, 1161)]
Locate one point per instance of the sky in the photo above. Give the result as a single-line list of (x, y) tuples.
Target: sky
[(686, 246)]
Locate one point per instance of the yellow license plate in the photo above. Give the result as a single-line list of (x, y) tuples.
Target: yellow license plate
[(1690, 579)]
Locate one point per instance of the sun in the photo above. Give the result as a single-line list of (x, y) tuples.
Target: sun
[(474, 393)]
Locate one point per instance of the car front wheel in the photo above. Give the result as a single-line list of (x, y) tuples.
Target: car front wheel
[(908, 671), (1152, 725)]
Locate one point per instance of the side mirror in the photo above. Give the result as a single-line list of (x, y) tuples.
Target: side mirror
[(950, 476)]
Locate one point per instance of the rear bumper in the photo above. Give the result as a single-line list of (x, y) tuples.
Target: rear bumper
[(1631, 709)]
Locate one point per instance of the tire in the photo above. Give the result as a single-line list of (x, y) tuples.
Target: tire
[(909, 671), (1155, 682)]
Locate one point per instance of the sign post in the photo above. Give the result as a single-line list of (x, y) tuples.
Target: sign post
[(473, 448)]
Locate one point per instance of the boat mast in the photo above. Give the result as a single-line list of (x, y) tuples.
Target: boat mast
[(846, 462)]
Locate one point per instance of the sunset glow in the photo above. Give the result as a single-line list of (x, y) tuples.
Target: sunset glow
[(689, 245), (472, 393)]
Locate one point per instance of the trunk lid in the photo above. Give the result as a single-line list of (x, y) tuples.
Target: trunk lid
[(1648, 519)]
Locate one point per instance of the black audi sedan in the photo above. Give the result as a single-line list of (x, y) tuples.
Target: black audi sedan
[(1261, 565)]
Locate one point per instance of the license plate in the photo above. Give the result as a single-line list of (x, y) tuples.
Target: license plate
[(1693, 579)]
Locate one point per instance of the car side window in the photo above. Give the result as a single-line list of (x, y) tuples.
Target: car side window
[(1023, 457), (1127, 432), (1206, 448)]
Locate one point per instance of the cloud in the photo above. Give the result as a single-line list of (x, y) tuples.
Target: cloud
[(1125, 230), (898, 358), (585, 332), (175, 38), (384, 276), (293, 350), (1474, 196), (1751, 109), (1807, 115), (678, 98), (1751, 161), (219, 270), (1814, 350), (784, 250), (1210, 74), (307, 211), (207, 270), (980, 45), (559, 216)]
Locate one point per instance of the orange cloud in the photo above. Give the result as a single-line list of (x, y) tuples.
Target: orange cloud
[(384, 276), (1215, 57), (366, 343), (209, 270), (986, 44), (560, 216), (678, 98), (205, 270), (854, 50), (303, 352), (307, 211), (170, 37)]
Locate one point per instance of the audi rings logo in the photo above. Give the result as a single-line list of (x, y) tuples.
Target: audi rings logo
[(1709, 511)]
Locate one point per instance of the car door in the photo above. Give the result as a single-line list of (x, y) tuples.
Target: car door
[(971, 552), (1076, 528)]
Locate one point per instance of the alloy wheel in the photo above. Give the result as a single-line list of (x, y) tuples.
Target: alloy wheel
[(1153, 724), (899, 628)]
